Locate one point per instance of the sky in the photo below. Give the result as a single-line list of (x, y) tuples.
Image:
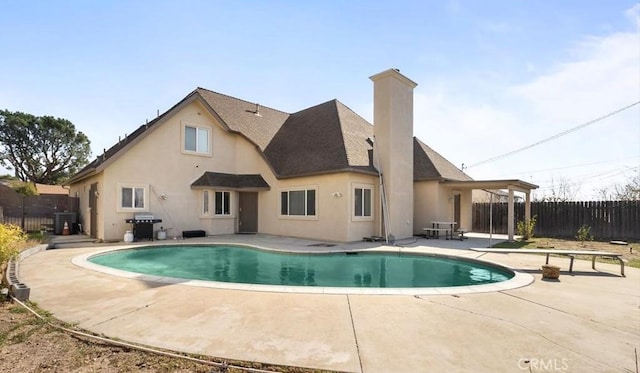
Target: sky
[(493, 76)]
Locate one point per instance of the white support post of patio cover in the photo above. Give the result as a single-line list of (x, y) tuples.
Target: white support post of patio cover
[(527, 207), (510, 215)]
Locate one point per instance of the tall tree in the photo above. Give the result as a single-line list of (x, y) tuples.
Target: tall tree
[(41, 149)]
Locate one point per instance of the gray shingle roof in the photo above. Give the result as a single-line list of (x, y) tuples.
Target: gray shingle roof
[(430, 165), (230, 181), (241, 117), (325, 138)]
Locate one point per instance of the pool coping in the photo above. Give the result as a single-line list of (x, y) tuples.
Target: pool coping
[(520, 279)]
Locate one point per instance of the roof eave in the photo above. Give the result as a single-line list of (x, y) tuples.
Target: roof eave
[(328, 172), (234, 189), (514, 184), (190, 98)]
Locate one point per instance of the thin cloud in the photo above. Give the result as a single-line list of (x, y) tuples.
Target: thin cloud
[(598, 75)]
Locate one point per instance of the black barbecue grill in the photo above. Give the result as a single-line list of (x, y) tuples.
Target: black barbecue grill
[(143, 225)]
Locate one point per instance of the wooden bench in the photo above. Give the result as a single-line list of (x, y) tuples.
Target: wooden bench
[(435, 232), (570, 253)]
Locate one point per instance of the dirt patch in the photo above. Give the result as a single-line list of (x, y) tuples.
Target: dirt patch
[(29, 344)]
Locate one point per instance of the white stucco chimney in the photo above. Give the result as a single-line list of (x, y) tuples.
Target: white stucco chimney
[(393, 146)]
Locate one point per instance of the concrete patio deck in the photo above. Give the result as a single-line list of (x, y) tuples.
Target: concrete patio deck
[(585, 322)]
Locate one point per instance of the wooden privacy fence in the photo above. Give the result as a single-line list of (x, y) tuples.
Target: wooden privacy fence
[(608, 219), (35, 213)]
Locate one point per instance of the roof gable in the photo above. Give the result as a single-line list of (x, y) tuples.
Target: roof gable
[(129, 140), (430, 165)]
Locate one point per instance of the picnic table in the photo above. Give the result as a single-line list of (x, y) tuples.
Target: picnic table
[(437, 227)]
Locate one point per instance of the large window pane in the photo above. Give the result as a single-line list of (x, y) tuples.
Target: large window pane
[(367, 202), (203, 140), (139, 198), (284, 203), (358, 201), (296, 202), (190, 136), (219, 203), (127, 197), (226, 196), (311, 202), (223, 203)]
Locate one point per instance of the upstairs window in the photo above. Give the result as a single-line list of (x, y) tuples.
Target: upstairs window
[(196, 140), (298, 202)]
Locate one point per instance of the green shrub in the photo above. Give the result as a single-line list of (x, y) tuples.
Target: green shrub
[(584, 234), (525, 228), (11, 239)]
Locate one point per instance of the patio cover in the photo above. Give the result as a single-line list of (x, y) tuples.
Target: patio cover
[(220, 180), (510, 185)]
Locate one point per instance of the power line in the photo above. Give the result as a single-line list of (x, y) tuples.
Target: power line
[(570, 166), (583, 125), (587, 178)]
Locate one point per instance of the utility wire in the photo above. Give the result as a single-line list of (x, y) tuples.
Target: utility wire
[(583, 125), (567, 167)]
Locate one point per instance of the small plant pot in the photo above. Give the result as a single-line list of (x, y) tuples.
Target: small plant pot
[(550, 272)]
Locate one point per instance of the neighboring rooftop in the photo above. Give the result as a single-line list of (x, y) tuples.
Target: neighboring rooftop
[(51, 189)]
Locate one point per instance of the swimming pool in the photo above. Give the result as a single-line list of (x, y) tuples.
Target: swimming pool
[(245, 265)]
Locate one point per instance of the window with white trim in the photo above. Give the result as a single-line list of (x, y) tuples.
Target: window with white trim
[(196, 139), (298, 202), (132, 197), (205, 203), (362, 201), (223, 203)]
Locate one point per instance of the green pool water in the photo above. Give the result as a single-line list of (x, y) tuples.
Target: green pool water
[(252, 266)]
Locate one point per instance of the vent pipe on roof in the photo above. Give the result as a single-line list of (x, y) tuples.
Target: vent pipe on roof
[(257, 112), (104, 154), (157, 113)]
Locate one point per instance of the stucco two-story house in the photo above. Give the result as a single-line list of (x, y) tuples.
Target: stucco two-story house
[(225, 165)]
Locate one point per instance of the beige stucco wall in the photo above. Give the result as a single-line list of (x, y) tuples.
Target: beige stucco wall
[(434, 202), (334, 220), (430, 204)]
